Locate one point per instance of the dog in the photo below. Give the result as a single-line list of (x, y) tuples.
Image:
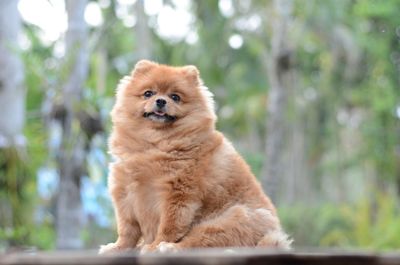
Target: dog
[(178, 183)]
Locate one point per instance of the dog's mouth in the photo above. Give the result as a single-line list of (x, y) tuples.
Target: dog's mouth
[(159, 116)]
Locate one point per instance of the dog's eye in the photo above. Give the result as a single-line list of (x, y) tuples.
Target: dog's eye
[(148, 94), (175, 97)]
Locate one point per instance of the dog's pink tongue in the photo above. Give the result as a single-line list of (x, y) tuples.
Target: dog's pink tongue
[(160, 113)]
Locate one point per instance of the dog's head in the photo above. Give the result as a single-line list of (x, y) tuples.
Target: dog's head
[(163, 96)]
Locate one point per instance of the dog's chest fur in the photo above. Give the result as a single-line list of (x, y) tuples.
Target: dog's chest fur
[(147, 208), (149, 186)]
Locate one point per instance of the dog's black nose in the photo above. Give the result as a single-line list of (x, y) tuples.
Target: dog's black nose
[(161, 102)]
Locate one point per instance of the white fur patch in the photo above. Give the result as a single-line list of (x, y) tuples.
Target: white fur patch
[(265, 213), (123, 82), (280, 239), (209, 96)]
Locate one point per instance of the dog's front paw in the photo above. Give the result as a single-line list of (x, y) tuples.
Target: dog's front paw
[(165, 247), (112, 248), (162, 247), (109, 248), (147, 248)]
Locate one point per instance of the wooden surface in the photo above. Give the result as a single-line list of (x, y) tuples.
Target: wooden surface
[(209, 257)]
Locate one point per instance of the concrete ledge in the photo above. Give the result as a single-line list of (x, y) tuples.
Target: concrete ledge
[(206, 257)]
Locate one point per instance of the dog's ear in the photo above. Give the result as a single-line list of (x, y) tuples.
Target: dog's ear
[(192, 73), (142, 67)]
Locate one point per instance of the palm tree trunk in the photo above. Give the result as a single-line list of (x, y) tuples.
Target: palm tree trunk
[(12, 119), (12, 91), (143, 33), (71, 156), (279, 67)]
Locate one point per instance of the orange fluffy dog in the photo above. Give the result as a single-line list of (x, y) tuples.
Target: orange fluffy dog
[(177, 182)]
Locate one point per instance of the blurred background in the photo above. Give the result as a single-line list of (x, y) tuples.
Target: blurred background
[(308, 92)]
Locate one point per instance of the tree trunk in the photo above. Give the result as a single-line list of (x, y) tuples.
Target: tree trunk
[(12, 119), (71, 156), (279, 67), (12, 92), (143, 33)]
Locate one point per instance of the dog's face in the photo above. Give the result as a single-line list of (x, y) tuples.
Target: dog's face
[(163, 95), (159, 107)]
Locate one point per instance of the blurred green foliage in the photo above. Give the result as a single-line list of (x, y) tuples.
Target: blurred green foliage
[(16, 194), (371, 223)]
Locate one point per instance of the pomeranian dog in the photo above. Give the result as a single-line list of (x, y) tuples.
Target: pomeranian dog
[(177, 183)]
